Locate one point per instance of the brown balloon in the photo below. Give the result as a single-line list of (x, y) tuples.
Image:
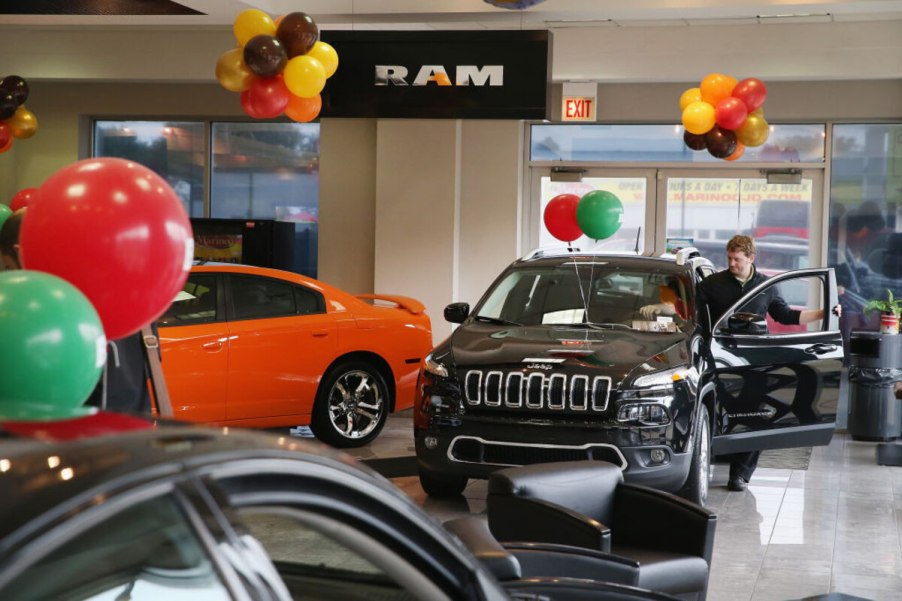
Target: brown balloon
[(16, 86), (298, 33), (265, 55), (694, 141), (720, 142)]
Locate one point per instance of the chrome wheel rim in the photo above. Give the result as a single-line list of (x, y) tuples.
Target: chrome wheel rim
[(355, 404)]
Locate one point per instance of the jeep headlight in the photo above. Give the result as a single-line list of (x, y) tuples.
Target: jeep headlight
[(661, 379), (430, 365)]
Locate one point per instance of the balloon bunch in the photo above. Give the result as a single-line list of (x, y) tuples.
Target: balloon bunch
[(278, 67), (724, 116), (105, 245), (598, 215), (16, 121)]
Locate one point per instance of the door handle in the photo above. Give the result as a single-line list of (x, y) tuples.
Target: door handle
[(820, 349), (213, 345), (320, 333)]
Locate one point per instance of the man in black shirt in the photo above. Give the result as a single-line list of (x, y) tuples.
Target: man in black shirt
[(717, 293)]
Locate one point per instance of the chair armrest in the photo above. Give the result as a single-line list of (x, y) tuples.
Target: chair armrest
[(543, 560), (474, 534), (513, 518), (653, 519)]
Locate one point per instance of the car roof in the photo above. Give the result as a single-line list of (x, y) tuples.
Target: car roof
[(44, 477), (662, 262)]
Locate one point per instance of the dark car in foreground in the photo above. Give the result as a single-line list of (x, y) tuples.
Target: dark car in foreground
[(558, 362), (116, 507)]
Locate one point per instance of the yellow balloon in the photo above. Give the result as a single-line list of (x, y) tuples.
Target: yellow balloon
[(698, 117), (754, 132), (689, 96), (252, 22), (232, 73), (23, 124), (304, 76), (327, 55)]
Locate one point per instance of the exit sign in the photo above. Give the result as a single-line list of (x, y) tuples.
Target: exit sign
[(578, 101)]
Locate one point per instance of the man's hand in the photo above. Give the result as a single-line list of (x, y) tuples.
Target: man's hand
[(649, 311)]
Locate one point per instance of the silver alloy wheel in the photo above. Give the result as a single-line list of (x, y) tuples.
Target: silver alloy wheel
[(704, 459), (355, 404)]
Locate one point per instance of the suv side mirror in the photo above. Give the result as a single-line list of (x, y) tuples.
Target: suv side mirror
[(746, 323), (457, 312)]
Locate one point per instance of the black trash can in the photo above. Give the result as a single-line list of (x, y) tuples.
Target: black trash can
[(875, 366)]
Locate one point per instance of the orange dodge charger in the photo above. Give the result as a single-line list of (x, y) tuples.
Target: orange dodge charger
[(257, 347)]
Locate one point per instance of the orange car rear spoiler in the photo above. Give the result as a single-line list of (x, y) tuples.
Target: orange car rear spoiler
[(404, 302)]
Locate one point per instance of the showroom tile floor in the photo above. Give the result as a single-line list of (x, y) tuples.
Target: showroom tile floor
[(835, 527)]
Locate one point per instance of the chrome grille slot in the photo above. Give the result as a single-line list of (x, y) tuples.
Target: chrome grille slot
[(601, 391), (517, 389), (557, 391), (535, 390), (493, 391), (473, 386), (579, 393), (513, 394)]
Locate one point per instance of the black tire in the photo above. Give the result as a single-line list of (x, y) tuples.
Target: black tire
[(351, 405), (696, 487), (442, 486)]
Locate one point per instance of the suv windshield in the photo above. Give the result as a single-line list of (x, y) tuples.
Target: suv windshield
[(586, 293)]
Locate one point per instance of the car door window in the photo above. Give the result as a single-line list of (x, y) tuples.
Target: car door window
[(798, 294), (310, 302), (196, 303), (256, 298), (145, 552), (314, 552)]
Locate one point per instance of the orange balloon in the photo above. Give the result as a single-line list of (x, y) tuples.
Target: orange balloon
[(689, 96), (717, 86), (278, 20), (740, 148), (303, 110), (698, 117)]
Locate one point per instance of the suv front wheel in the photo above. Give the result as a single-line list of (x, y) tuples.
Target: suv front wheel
[(696, 487)]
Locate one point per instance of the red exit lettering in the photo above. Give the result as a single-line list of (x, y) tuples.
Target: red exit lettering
[(578, 108)]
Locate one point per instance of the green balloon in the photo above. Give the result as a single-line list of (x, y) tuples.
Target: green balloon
[(52, 346), (599, 214), (5, 212)]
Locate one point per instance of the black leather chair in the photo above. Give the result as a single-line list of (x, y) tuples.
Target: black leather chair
[(587, 504), (538, 571)]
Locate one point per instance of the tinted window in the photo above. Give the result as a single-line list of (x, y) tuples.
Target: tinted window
[(196, 303), (262, 297), (309, 301), (145, 552), (577, 292), (799, 293)]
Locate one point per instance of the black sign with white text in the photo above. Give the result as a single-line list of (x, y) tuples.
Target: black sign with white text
[(439, 74)]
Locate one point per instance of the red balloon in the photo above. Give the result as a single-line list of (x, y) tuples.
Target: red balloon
[(560, 217), (5, 134), (116, 231), (22, 198), (248, 106), (752, 92), (269, 96), (730, 113)]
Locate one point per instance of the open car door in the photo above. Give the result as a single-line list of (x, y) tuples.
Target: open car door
[(777, 384)]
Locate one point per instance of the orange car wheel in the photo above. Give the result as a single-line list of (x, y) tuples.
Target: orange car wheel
[(351, 405)]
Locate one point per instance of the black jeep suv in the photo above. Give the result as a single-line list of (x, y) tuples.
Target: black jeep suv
[(585, 356)]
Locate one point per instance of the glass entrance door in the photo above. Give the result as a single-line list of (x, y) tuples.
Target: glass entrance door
[(634, 187), (705, 208)]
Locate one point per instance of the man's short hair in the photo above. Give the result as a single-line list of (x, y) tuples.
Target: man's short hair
[(9, 234), (740, 243)]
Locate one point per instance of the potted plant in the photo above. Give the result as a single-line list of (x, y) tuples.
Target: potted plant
[(889, 312)]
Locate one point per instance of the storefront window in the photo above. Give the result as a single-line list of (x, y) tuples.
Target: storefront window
[(865, 237), (173, 149), (664, 143)]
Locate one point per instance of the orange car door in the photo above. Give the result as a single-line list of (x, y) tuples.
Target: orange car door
[(281, 341), (195, 349)]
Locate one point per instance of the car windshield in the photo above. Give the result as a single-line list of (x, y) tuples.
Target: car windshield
[(588, 294)]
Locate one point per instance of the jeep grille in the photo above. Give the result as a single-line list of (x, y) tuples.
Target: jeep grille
[(535, 390)]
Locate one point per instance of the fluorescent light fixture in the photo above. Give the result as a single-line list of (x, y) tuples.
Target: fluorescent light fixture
[(796, 18)]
